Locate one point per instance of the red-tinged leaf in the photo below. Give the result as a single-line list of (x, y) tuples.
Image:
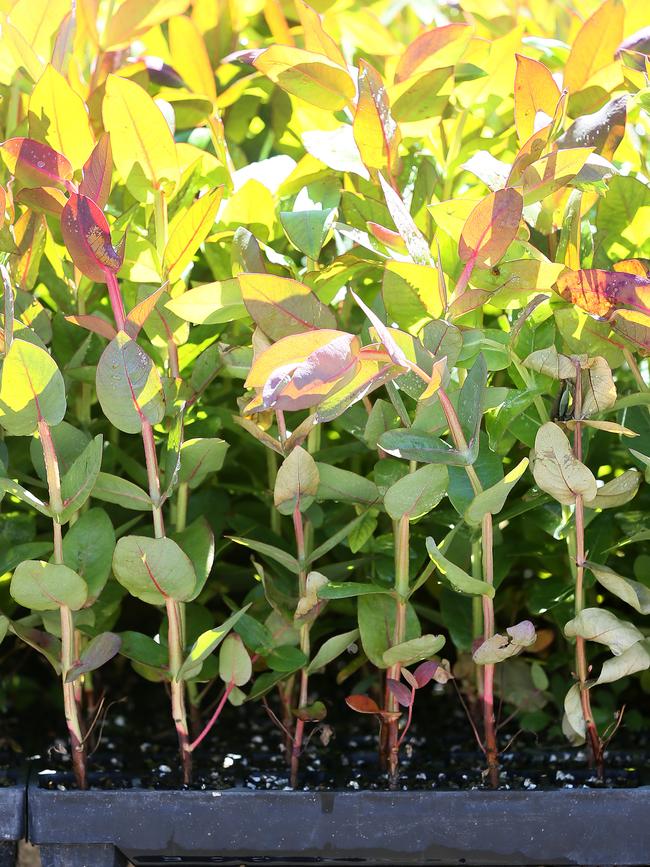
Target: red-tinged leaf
[(595, 45), (141, 312), (528, 153), (97, 172), (433, 49), (30, 231), (490, 228), (600, 292), (363, 704), (309, 76), (535, 92), (93, 323), (634, 326), (387, 237), (35, 164), (375, 131), (603, 130), (639, 41), (402, 693), (641, 267), (45, 200), (87, 236), (425, 672), (395, 353), (371, 374)]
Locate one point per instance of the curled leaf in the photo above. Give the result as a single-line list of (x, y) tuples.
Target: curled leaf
[(632, 592), (557, 471), (600, 625), (617, 492), (88, 238)]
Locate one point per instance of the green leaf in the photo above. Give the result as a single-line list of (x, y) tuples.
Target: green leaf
[(286, 658), (600, 625), (417, 493), (493, 499), (471, 399), (411, 295), (234, 662), (129, 386), (632, 592), (154, 569), (210, 304), (457, 577), (199, 458), (348, 589), (8, 486), (277, 554), (78, 482), (122, 492), (414, 650), (43, 642), (47, 586), (206, 644), (331, 649), (573, 724), (197, 541), (336, 538), (143, 649), (343, 486), (377, 625), (363, 531), (31, 389), (424, 448), (307, 230), (616, 492), (296, 483), (631, 661), (88, 549), (100, 650)]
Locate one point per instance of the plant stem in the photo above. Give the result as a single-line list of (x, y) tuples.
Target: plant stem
[(272, 472), (71, 708), (304, 644), (636, 373), (491, 751), (402, 538), (160, 222), (115, 297), (582, 668)]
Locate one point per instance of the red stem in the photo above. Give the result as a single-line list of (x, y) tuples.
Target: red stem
[(215, 716)]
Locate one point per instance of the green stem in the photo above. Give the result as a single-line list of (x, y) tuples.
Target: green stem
[(304, 644), (402, 532), (272, 472), (636, 373), (160, 223)]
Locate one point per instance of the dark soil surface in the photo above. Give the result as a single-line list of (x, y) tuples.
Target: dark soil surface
[(247, 749)]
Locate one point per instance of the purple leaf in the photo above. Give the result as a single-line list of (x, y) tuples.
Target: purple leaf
[(402, 693)]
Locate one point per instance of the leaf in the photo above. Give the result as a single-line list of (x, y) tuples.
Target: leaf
[(377, 626), (551, 363), (331, 649), (598, 389), (45, 586), (631, 661), (199, 458), (77, 484), (142, 649), (535, 93), (10, 487), (490, 228), (602, 130), (134, 18), (400, 692), (210, 304), (599, 292), (58, 117), (552, 172), (206, 644), (87, 237), (31, 389), (286, 658), (595, 45), (573, 724), (362, 704), (35, 164), (287, 560), (393, 349), (153, 569), (296, 483), (344, 486), (129, 388), (234, 661), (417, 493), (557, 471), (312, 77), (45, 644), (422, 447), (492, 500), (375, 131), (414, 650), (316, 39), (500, 647), (457, 577), (411, 295), (122, 492), (189, 56), (189, 231), (93, 323), (281, 306), (632, 592), (433, 49), (98, 651), (88, 550), (349, 589), (617, 492), (307, 230), (416, 243), (369, 375), (143, 148), (363, 531), (97, 172), (597, 624)]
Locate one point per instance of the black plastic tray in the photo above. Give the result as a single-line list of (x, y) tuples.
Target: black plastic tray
[(241, 827), (12, 821)]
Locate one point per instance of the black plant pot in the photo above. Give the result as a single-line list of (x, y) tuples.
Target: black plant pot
[(240, 826), (12, 820)]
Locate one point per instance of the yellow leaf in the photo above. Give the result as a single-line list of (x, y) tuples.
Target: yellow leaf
[(315, 37), (143, 148), (252, 205), (375, 131), (309, 76), (190, 56), (595, 45), (58, 117), (135, 17), (535, 91), (189, 231), (37, 21)]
